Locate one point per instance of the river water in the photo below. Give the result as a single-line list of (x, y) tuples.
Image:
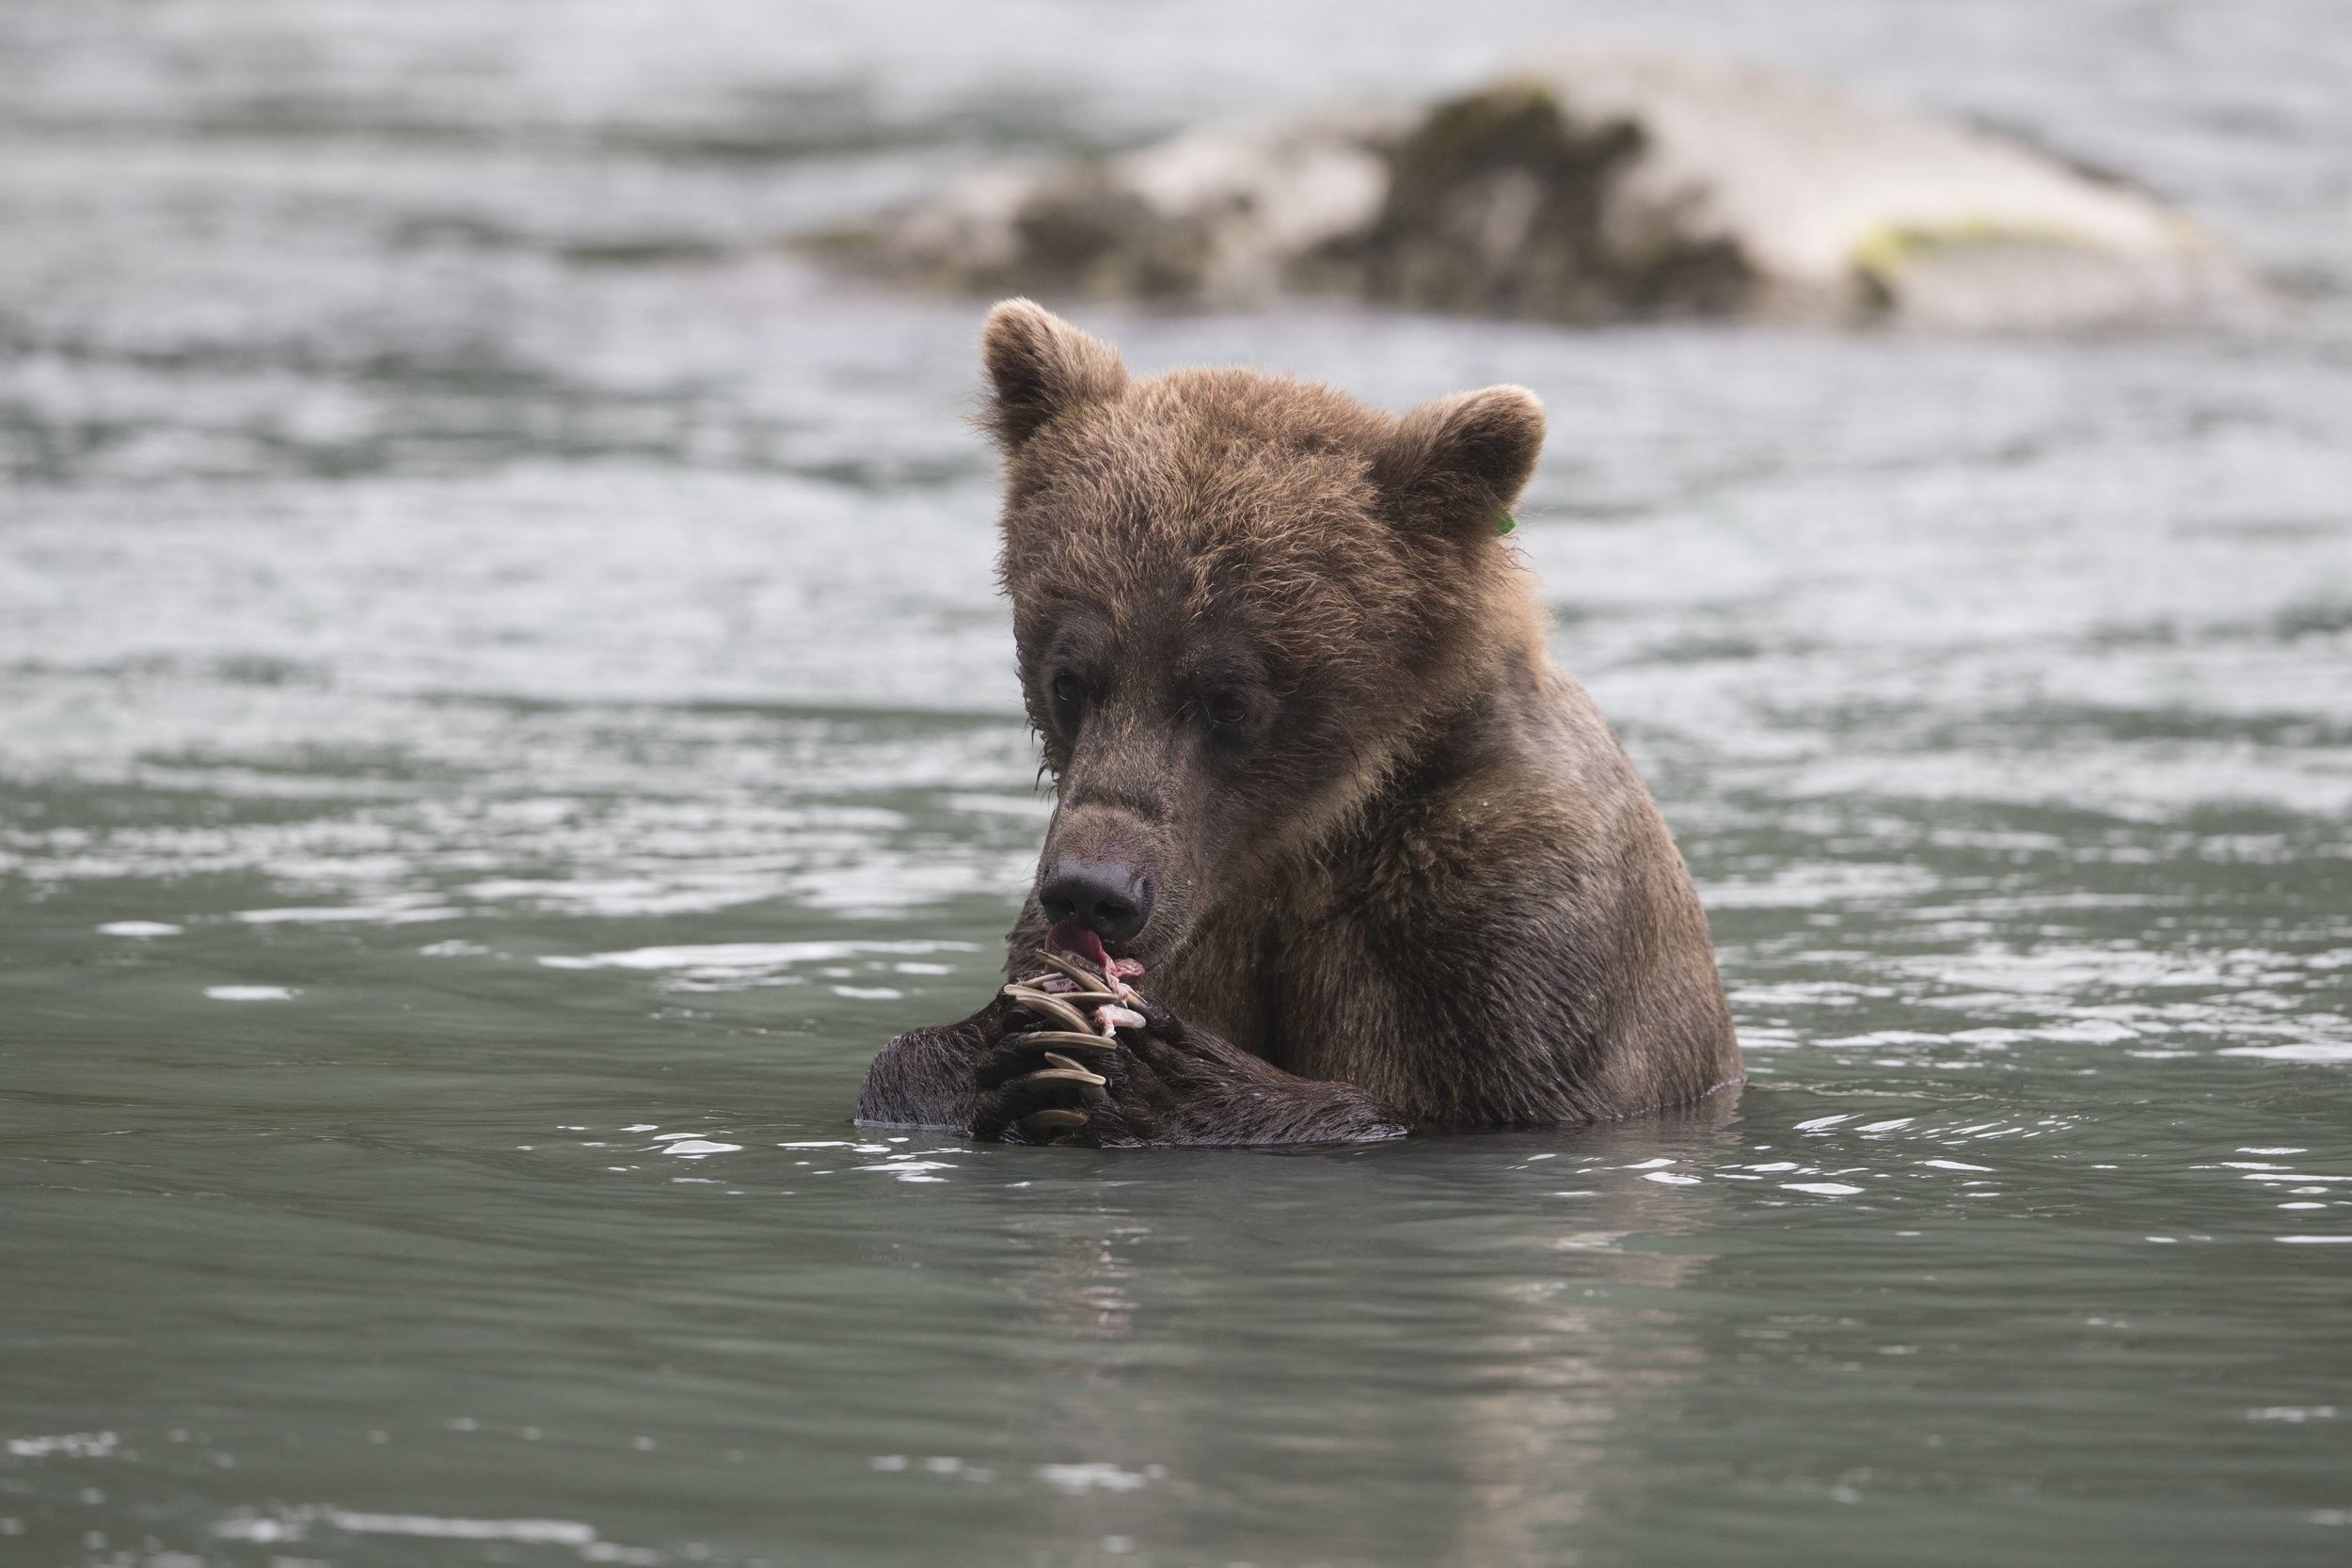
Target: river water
[(503, 709)]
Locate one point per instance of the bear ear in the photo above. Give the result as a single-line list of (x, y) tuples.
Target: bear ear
[(1458, 465), (1040, 366)]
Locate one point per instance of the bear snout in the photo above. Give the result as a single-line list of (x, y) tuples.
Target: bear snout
[(1108, 898)]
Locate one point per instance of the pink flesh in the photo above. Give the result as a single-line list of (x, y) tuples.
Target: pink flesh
[(1076, 942)]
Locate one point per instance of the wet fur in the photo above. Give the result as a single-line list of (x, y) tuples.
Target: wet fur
[(1420, 885)]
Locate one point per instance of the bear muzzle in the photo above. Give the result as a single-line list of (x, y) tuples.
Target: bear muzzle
[(1109, 898)]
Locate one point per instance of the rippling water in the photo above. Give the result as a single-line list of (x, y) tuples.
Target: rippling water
[(503, 709)]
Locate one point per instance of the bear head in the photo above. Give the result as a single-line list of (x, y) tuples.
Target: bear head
[(1241, 603)]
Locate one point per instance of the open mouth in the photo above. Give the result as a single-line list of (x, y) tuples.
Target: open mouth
[(1072, 939)]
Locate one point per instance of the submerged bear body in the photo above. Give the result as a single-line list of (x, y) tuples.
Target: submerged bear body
[(1384, 866)]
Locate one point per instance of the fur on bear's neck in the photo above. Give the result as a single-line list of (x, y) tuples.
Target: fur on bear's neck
[(1502, 647)]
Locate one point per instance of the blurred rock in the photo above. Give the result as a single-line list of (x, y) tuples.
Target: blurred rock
[(1596, 186), (1219, 216)]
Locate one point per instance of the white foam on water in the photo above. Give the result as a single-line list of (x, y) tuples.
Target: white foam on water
[(2301, 1050), (250, 993), (541, 1532), (911, 1170), (72, 1445), (295, 1524), (392, 912), (1098, 1476)]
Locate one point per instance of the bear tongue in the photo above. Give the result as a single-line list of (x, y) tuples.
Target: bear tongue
[(1073, 940)]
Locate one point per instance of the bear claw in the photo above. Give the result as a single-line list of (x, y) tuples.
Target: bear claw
[(1113, 975), (1047, 1006), (1065, 1040), (1091, 1085), (1071, 971), (1071, 1075)]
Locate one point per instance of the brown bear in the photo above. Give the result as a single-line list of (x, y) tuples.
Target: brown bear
[(1383, 866)]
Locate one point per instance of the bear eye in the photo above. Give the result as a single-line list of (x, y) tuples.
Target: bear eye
[(1069, 693), (1227, 708)]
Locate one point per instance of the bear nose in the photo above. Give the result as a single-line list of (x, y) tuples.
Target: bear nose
[(1112, 901)]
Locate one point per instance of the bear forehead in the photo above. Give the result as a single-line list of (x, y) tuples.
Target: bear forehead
[(1236, 465), (1216, 505)]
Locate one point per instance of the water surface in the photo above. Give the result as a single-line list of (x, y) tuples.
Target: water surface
[(503, 709)]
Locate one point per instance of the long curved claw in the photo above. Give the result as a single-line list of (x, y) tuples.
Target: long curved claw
[(1065, 1040), (1075, 998), (1071, 969), (1091, 1085), (1073, 1074), (1047, 1006), (1106, 980), (1039, 1121)]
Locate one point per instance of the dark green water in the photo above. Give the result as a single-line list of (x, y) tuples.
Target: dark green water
[(503, 710)]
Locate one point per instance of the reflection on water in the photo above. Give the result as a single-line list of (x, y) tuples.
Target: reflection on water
[(502, 708)]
